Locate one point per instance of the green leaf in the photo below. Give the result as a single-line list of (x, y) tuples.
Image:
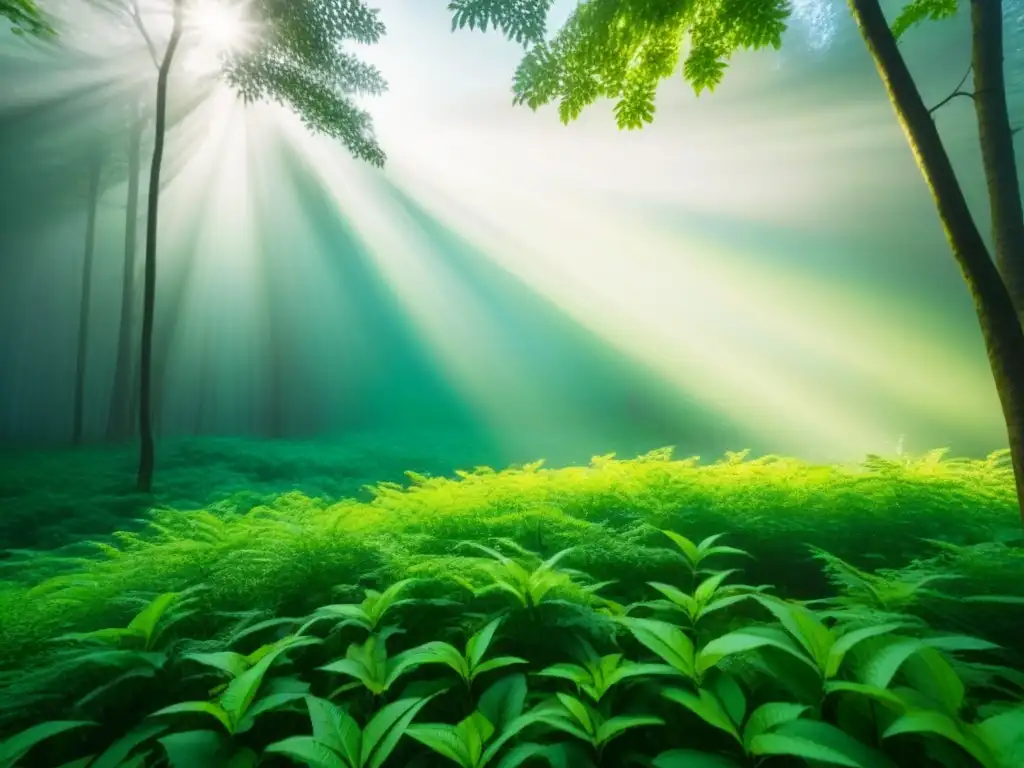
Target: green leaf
[(665, 640), (879, 669), (202, 707), (678, 598), (804, 626), (814, 740), (519, 754), (918, 11), (881, 695), (687, 547), (478, 644), (706, 706), (387, 727), (306, 749), (616, 726), (226, 661), (579, 711), (1003, 734), (769, 716), (846, 643), (728, 645), (437, 652), (115, 755), (446, 740), (571, 672), (931, 674), (17, 746), (194, 749), (497, 663), (503, 701), (145, 622), (728, 691), (709, 586)]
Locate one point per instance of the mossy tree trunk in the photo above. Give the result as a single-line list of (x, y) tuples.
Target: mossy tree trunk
[(147, 449), (997, 316)]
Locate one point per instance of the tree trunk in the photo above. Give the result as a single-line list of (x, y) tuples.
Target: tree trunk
[(1001, 330), (997, 150), (119, 415), (95, 168), (147, 451)]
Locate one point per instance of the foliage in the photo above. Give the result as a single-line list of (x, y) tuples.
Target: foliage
[(287, 553), (623, 49), (881, 695), (297, 60), (26, 18)]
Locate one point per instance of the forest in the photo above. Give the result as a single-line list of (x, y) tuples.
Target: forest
[(322, 360)]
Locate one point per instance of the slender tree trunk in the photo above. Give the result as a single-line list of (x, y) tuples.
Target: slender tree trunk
[(147, 450), (95, 169), (1001, 330), (997, 150), (119, 415)]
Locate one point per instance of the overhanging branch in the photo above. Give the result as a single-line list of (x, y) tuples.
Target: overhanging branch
[(956, 92), (137, 18)]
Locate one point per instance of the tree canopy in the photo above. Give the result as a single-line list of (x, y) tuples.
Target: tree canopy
[(26, 18), (298, 61), (622, 49)]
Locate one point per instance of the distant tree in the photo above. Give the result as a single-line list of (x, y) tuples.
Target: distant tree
[(297, 61), (622, 49), (26, 18)]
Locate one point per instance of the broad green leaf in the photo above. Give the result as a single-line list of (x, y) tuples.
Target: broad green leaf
[(477, 645), (552, 561), (769, 716), (571, 672), (203, 707), (706, 706), (307, 750), (437, 652), (579, 711), (665, 640), (956, 643), (14, 748), (146, 620), (879, 669), (334, 727), (723, 602), (504, 700), (1004, 735), (616, 726), (514, 728), (845, 644), (930, 673), (241, 691), (804, 626), (690, 758), (922, 721), (381, 603), (115, 755), (687, 547), (194, 749), (386, 729), (728, 645), (519, 754), (443, 739), (709, 586), (497, 663), (881, 695), (815, 740), (729, 693), (226, 661), (265, 704), (677, 597)]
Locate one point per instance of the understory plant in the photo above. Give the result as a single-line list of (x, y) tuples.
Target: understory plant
[(708, 673)]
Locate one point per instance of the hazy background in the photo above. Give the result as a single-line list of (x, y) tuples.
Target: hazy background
[(762, 267)]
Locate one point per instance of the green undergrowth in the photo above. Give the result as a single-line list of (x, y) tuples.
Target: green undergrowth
[(531, 662), (288, 554), (51, 498)]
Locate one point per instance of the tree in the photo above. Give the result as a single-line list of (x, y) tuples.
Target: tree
[(297, 61), (26, 18), (95, 171), (622, 49)]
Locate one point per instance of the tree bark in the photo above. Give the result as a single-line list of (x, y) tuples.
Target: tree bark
[(119, 415), (997, 150), (85, 304), (997, 317), (147, 450)]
